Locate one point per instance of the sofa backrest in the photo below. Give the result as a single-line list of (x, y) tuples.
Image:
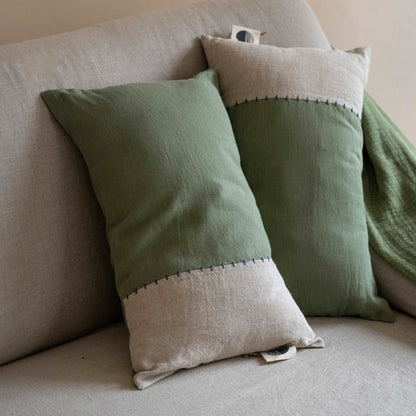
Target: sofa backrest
[(56, 278)]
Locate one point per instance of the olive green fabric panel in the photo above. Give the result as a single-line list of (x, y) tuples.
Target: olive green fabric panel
[(303, 162), (389, 179), (166, 171)]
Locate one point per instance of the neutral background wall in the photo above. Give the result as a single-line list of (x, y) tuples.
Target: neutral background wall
[(389, 26)]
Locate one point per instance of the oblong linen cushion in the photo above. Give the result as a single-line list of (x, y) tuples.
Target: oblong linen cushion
[(190, 253), (296, 118)]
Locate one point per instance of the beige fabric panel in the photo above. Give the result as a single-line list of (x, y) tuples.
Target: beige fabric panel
[(397, 289), (56, 279), (211, 314), (292, 73), (366, 368)]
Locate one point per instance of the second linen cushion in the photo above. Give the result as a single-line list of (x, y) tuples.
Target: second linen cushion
[(296, 118)]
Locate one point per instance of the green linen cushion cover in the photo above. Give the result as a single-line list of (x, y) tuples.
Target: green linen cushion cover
[(190, 253), (296, 118)]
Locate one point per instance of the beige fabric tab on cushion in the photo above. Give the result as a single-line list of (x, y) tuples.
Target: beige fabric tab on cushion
[(292, 74), (206, 315)]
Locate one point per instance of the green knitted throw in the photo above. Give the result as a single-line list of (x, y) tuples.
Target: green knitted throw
[(389, 180)]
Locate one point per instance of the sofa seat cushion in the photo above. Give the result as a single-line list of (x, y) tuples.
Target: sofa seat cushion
[(367, 368)]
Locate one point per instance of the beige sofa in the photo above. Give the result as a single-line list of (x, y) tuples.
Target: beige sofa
[(56, 284)]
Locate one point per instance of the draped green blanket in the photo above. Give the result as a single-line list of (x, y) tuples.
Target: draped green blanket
[(389, 179)]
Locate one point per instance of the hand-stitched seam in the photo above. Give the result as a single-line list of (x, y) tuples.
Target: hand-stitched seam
[(188, 271), (307, 100)]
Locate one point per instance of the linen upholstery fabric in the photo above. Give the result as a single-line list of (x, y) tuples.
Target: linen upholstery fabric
[(399, 291), (389, 179), (367, 368), (56, 276), (302, 156), (166, 170)]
